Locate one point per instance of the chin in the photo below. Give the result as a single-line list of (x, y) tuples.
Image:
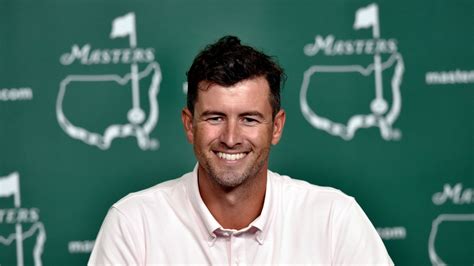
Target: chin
[(229, 180)]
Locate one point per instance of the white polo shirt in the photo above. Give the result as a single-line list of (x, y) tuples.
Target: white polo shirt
[(300, 223)]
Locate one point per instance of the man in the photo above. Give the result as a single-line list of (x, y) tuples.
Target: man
[(231, 209)]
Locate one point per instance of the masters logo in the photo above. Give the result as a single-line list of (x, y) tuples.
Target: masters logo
[(383, 113), (136, 121), (16, 219), (450, 240)]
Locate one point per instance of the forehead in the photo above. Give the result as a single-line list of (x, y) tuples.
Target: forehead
[(247, 94)]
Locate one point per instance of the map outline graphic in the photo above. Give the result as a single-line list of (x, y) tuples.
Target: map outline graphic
[(434, 257), (104, 141), (347, 132)]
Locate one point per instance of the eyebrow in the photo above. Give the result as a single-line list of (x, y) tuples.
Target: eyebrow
[(250, 113)]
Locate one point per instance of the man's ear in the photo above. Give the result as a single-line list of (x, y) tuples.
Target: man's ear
[(278, 124), (187, 119)]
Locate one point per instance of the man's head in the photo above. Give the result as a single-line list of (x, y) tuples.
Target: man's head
[(228, 62), (233, 115)]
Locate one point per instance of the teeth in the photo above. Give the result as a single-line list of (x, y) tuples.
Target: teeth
[(230, 157)]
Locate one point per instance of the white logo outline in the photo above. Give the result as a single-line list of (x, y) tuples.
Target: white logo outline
[(381, 116), (434, 258), (10, 185), (138, 127)]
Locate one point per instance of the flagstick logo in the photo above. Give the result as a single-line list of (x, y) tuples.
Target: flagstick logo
[(140, 124), (382, 115), (10, 186)]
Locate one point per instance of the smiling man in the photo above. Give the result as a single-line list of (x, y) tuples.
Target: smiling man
[(232, 128), (231, 209)]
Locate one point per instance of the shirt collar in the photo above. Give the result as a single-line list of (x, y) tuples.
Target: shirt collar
[(210, 224), (262, 221), (201, 209)]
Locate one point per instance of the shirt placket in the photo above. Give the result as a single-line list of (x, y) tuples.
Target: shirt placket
[(238, 256), (236, 247)]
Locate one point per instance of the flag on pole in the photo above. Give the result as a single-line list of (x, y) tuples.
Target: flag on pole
[(366, 17), (10, 185), (123, 26)]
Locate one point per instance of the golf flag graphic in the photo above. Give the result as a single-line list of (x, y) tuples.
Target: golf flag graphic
[(366, 17), (123, 26), (10, 185)]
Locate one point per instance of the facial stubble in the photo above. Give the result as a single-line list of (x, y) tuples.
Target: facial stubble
[(229, 178)]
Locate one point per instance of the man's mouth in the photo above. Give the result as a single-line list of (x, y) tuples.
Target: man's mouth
[(231, 156)]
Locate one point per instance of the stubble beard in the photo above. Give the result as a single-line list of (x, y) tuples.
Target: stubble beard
[(228, 178)]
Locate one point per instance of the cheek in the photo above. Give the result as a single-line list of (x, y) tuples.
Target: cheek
[(259, 137), (205, 134)]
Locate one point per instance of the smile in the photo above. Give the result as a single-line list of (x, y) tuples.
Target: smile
[(231, 157)]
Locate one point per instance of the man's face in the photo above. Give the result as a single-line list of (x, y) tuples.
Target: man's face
[(232, 130)]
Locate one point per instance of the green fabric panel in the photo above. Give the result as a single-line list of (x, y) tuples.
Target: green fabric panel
[(66, 93)]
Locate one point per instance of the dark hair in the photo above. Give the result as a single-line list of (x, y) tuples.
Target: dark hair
[(228, 62)]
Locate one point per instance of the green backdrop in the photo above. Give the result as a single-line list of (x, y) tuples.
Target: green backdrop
[(379, 101)]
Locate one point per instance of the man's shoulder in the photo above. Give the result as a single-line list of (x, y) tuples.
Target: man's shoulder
[(154, 196), (303, 192)]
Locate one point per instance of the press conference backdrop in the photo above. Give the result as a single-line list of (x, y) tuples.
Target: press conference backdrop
[(379, 100)]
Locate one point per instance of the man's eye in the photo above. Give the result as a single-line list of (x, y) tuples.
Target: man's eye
[(250, 121), (215, 120)]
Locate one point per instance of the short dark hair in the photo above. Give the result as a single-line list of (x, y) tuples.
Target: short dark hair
[(228, 62)]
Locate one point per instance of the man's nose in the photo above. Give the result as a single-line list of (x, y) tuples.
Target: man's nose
[(231, 135)]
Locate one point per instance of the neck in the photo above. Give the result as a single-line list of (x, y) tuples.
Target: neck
[(237, 207)]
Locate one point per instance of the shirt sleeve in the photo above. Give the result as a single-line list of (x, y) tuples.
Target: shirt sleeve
[(116, 242), (355, 240)]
